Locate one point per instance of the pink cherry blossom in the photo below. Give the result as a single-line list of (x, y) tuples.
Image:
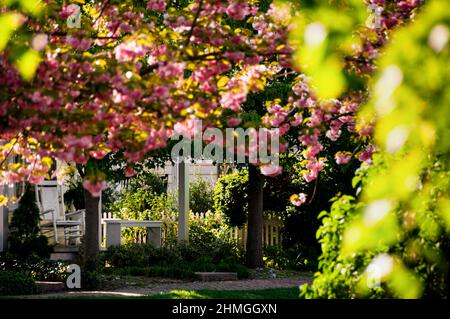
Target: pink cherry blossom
[(232, 100), (186, 128), (343, 158), (10, 177), (129, 172), (207, 87), (366, 155), (271, 170), (235, 56), (238, 10), (161, 91), (36, 179), (298, 200), (157, 5), (95, 188), (76, 43), (127, 51), (67, 11), (99, 154), (298, 119), (234, 121), (171, 69), (309, 176)]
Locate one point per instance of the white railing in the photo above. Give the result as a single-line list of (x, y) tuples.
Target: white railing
[(271, 232)]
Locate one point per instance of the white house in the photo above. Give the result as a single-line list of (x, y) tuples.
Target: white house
[(205, 170)]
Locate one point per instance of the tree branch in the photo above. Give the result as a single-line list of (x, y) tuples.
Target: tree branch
[(314, 191), (101, 12), (194, 23), (64, 34)]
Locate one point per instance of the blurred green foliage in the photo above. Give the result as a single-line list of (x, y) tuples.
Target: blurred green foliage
[(16, 37), (323, 36), (394, 241)]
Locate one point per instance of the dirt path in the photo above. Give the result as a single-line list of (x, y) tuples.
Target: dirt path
[(161, 288)]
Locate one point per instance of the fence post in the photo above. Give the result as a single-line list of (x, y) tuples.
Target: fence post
[(183, 200)]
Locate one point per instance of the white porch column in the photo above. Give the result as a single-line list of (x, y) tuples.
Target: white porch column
[(6, 190), (100, 215), (3, 228), (183, 200)]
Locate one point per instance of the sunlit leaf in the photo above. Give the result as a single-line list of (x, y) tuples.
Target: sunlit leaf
[(9, 22), (27, 64), (33, 7)]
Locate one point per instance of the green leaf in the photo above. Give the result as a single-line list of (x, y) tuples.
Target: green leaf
[(34, 7), (27, 64), (9, 22)]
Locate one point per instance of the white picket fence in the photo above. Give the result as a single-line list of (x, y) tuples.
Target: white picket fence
[(271, 232)]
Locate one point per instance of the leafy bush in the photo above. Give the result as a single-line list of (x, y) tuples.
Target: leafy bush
[(13, 283), (209, 229), (421, 246), (336, 276), (25, 239), (179, 261), (144, 205), (141, 204), (297, 257), (230, 197), (201, 196), (146, 180), (35, 267)]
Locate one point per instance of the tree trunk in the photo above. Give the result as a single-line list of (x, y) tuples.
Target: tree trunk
[(254, 254), (91, 236)]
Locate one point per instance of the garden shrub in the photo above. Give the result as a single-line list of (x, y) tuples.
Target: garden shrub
[(296, 257), (343, 275), (146, 180), (14, 283), (209, 229), (141, 204), (179, 261), (25, 238), (336, 276), (127, 255), (35, 267), (230, 197), (201, 196)]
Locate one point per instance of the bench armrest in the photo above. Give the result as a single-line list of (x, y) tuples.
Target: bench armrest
[(52, 211), (77, 212)]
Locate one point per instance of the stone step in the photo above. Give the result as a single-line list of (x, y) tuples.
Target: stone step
[(65, 256), (217, 276)]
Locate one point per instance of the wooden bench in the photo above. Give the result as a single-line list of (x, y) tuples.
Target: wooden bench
[(114, 227)]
